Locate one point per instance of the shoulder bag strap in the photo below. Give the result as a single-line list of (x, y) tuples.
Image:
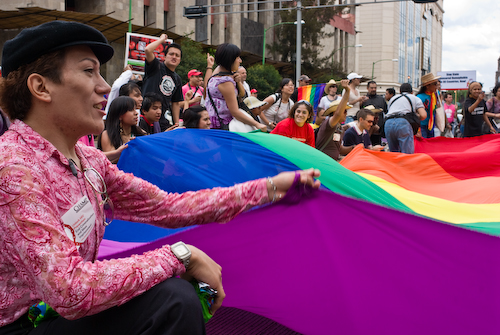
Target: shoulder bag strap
[(409, 100), (212, 102), (393, 102)]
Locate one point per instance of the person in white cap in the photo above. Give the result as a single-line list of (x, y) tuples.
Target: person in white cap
[(355, 98)]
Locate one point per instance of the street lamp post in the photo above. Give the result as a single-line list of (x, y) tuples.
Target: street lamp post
[(265, 31), (347, 46), (380, 60)]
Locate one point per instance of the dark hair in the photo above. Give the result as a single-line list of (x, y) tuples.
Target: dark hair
[(291, 112), (446, 94), (15, 97), (391, 90), (128, 88), (118, 107), (371, 82), (363, 113), (283, 83), (226, 54), (495, 89), (173, 45), (192, 116), (149, 99), (406, 88)]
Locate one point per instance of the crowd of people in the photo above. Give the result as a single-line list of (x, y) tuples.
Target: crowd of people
[(222, 99), (59, 189)]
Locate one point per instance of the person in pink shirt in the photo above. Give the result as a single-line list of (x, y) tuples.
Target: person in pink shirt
[(57, 196), (451, 111), (195, 80)]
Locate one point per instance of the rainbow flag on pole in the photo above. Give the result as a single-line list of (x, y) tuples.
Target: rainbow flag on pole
[(312, 93)]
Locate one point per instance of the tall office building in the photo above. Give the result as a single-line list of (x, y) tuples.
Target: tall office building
[(404, 31)]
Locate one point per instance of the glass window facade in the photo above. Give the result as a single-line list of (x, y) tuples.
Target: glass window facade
[(415, 36), (402, 42)]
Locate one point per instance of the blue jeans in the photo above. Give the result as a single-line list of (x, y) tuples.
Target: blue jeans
[(349, 119), (426, 133), (399, 135)]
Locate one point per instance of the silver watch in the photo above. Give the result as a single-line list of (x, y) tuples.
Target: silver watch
[(182, 252)]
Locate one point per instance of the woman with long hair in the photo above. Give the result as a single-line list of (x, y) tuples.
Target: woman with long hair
[(196, 117), (296, 125), (121, 126), (222, 93), (474, 109), (278, 104)]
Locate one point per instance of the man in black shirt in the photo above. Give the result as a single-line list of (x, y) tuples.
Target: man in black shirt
[(161, 78), (378, 102)]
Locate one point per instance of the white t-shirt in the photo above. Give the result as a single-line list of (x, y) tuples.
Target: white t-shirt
[(324, 103), (278, 111), (355, 107)]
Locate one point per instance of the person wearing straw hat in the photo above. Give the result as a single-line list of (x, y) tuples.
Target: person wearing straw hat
[(331, 96), (57, 197), (328, 138), (254, 105), (429, 98)]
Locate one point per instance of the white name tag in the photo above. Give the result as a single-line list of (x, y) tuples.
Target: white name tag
[(79, 221), (336, 137)]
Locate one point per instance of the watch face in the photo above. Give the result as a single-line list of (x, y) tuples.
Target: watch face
[(181, 250)]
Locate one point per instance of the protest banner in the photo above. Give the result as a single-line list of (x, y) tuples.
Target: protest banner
[(135, 54), (456, 80)]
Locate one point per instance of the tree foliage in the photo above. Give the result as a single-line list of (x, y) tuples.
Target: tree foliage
[(193, 57), (265, 78), (313, 35)]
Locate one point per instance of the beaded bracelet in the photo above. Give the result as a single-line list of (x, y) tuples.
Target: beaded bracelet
[(274, 188)]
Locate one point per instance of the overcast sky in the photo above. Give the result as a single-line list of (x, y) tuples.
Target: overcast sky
[(470, 38)]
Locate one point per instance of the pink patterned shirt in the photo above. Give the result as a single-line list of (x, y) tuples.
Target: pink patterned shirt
[(39, 262)]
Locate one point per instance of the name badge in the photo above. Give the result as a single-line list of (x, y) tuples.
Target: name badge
[(79, 221), (336, 137)]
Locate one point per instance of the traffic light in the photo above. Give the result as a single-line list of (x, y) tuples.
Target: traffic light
[(195, 12)]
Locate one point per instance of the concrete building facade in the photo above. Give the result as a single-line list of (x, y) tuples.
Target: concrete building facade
[(404, 31), (243, 29)]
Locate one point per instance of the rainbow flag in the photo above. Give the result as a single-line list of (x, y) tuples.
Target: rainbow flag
[(312, 93), (391, 244)]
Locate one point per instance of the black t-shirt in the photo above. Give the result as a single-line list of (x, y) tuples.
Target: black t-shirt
[(148, 128), (473, 121), (378, 102), (159, 79)]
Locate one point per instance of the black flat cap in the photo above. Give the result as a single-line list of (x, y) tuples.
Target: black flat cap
[(31, 43)]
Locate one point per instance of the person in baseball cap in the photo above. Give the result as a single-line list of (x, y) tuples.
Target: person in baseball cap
[(195, 78), (304, 80)]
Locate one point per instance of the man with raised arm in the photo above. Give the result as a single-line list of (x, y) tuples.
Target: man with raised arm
[(161, 78)]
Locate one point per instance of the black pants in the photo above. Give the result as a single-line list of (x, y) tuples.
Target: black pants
[(171, 307)]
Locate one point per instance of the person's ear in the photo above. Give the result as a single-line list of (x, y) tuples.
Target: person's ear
[(39, 87)]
